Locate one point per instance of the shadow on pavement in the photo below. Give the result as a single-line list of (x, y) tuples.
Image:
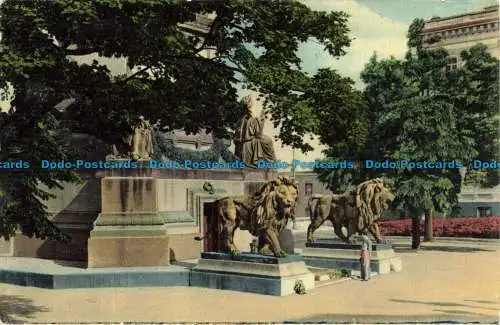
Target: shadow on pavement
[(76, 264), (458, 312), (16, 309), (445, 318), (482, 301), (440, 304)]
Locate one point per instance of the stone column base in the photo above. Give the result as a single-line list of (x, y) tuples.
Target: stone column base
[(123, 251)]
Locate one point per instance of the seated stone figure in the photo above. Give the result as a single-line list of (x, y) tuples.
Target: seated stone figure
[(251, 145), (137, 145)]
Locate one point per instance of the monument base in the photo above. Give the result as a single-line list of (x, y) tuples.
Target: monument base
[(333, 255), (127, 251), (128, 245), (247, 272)]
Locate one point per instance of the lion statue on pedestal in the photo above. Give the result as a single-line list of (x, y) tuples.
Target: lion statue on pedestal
[(358, 210), (264, 214)]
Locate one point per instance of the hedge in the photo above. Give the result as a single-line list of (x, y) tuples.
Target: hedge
[(485, 227)]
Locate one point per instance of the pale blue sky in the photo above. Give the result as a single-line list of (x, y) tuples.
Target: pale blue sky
[(407, 10), (378, 25)]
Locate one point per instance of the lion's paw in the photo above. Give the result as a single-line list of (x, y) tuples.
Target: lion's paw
[(280, 254), (234, 252)]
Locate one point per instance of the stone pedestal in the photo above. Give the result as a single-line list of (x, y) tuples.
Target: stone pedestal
[(129, 231), (251, 273), (337, 255)]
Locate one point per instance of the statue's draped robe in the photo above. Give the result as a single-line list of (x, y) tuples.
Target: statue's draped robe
[(253, 145), (136, 145), (142, 141)]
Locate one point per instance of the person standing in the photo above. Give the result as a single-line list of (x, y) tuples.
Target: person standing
[(364, 260)]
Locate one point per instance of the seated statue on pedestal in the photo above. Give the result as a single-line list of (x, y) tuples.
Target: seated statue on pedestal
[(137, 145), (251, 145)]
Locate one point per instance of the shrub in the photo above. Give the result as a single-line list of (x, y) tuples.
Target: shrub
[(488, 227), (299, 287)]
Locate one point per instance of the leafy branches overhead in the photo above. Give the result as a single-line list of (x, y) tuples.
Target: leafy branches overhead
[(173, 77), (170, 80)]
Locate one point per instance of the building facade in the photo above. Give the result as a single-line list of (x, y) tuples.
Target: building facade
[(309, 185), (456, 34), (460, 32), (479, 202)]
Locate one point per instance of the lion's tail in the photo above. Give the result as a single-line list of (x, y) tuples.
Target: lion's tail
[(311, 205)]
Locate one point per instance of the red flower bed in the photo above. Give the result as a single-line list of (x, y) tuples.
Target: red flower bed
[(488, 227)]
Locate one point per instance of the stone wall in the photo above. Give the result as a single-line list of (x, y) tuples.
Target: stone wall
[(315, 187), (181, 199), (73, 210)]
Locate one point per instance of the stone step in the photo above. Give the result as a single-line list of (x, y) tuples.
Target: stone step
[(322, 277), (321, 274)]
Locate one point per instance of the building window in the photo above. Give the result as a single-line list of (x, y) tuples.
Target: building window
[(309, 189), (484, 211)]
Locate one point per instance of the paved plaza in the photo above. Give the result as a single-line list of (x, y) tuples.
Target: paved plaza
[(445, 281)]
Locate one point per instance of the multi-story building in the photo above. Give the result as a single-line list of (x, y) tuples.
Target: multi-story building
[(460, 32)]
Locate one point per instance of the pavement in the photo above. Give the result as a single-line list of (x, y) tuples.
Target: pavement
[(443, 282)]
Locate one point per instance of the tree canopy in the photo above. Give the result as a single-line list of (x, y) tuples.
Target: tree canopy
[(421, 110), (254, 46)]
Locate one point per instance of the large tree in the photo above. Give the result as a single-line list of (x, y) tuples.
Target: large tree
[(343, 124), (254, 43), (420, 110)]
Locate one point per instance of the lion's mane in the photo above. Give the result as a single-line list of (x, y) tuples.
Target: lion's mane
[(370, 196), (264, 213)]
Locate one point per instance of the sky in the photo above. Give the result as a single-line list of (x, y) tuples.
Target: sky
[(377, 26)]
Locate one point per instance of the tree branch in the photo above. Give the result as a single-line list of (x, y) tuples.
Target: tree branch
[(239, 67), (237, 27), (135, 74), (78, 51), (211, 61)]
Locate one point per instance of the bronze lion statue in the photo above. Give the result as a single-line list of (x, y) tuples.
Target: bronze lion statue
[(264, 214), (358, 210)]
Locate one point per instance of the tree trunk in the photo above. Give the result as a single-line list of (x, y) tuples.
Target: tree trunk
[(429, 231), (415, 231)]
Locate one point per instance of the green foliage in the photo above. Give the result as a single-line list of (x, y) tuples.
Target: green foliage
[(218, 150), (422, 111), (476, 89), (29, 139), (345, 273), (342, 122), (169, 82), (414, 34), (419, 117), (299, 287)]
